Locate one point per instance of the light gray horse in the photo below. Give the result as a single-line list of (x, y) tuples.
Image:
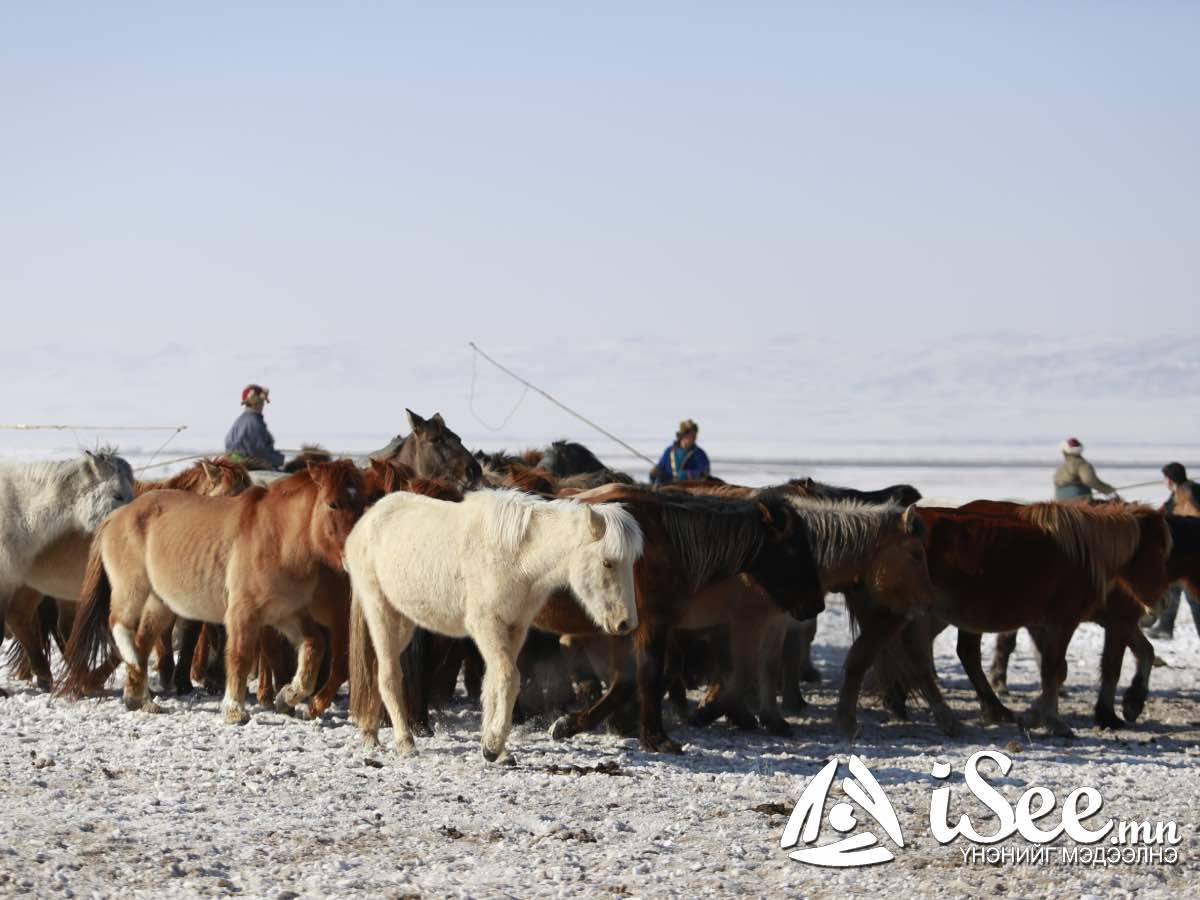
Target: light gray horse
[(44, 501)]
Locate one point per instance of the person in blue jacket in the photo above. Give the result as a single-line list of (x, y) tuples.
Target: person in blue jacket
[(249, 438), (683, 460)]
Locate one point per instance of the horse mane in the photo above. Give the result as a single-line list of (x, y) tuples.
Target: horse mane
[(193, 478), (532, 456), (46, 470), (508, 522), (840, 530), (1102, 538), (524, 478), (338, 474), (711, 537), (437, 488), (308, 453)]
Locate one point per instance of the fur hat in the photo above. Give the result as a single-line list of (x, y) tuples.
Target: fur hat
[(687, 426), (252, 392), (1175, 472), (1071, 447)]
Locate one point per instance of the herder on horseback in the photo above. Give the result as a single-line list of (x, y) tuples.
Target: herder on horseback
[(1075, 479), (249, 440)]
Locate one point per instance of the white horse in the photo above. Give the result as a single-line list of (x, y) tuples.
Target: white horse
[(44, 501), (483, 567)]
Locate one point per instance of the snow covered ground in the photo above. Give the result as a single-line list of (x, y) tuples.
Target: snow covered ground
[(97, 800)]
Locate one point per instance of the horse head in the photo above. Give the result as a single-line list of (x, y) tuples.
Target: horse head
[(784, 566), (432, 450), (1145, 574), (339, 498), (897, 573), (600, 566), (100, 482)]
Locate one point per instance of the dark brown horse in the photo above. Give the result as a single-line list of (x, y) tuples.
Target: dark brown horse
[(1046, 567), (692, 545), (432, 450)]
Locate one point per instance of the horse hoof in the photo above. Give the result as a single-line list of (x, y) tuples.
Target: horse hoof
[(182, 690), (133, 704), (776, 725), (281, 706), (1132, 705), (370, 741), (406, 748), (794, 706), (153, 708), (45, 684), (810, 675), (660, 743), (236, 715), (421, 728), (998, 715), (4, 693), (1106, 717), (563, 728), (949, 723), (303, 712), (500, 756), (703, 716), (846, 726)]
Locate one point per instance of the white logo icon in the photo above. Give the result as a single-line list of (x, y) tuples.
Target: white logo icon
[(856, 850)]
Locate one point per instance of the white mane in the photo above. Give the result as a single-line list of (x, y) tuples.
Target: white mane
[(513, 511)]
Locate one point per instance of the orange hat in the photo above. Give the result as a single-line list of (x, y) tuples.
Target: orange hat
[(252, 391)]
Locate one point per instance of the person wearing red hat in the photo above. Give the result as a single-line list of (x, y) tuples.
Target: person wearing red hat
[(249, 438), (1075, 479)]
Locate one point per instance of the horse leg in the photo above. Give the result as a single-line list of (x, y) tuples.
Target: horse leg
[(728, 696), (770, 660), (1111, 657), (305, 636), (472, 671), (619, 692), (339, 663), (199, 658), (390, 632), (1052, 644), (1006, 643), (156, 617), (24, 621), (499, 644), (971, 656), (651, 653), (877, 626), (6, 592), (916, 642), (796, 653), (242, 630), (1134, 700), (189, 635)]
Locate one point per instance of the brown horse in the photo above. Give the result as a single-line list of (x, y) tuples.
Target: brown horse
[(692, 544), (246, 561), (1046, 567), (432, 450), (59, 570), (1120, 616)]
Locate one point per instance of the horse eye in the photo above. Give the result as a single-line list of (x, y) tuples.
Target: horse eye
[(607, 563), (333, 505)]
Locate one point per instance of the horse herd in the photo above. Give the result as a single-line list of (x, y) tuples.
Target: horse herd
[(550, 582)]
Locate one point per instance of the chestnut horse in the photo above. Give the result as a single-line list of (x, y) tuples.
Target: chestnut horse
[(1046, 567), (246, 561), (694, 545), (1121, 616)]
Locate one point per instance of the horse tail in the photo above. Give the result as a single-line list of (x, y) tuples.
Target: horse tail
[(366, 703), (90, 647)]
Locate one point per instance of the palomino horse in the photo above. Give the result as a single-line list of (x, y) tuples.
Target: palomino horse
[(58, 571), (41, 503), (696, 548), (484, 568), (1046, 567), (246, 561)]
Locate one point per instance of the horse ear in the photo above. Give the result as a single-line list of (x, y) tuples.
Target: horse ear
[(415, 422), (436, 419), (597, 523), (911, 522), (766, 513)]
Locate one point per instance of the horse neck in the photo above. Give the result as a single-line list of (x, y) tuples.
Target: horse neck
[(291, 516), (703, 547), (47, 509), (545, 554), (842, 562)]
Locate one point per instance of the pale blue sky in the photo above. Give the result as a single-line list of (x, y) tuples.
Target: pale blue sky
[(389, 172)]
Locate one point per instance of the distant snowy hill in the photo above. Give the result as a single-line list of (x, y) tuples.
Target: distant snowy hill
[(792, 396)]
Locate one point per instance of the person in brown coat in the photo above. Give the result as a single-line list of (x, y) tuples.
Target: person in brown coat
[(1184, 501), (1075, 479)]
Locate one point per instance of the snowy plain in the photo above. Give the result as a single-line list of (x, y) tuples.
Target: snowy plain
[(98, 801)]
